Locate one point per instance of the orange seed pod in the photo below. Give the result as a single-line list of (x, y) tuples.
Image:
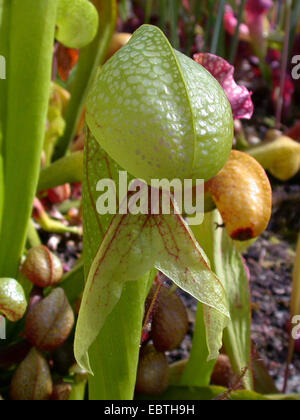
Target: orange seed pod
[(243, 195)]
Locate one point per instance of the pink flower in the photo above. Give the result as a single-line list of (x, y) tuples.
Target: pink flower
[(230, 23), (239, 96)]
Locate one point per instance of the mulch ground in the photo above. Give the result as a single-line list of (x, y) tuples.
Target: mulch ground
[(271, 261)]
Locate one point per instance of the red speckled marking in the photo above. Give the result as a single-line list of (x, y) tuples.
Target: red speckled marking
[(243, 234)]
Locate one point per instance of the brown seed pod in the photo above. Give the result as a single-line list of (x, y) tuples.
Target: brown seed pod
[(42, 267), (50, 322), (32, 379), (153, 375), (170, 321), (243, 195), (223, 374)]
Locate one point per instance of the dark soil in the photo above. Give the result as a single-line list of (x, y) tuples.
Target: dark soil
[(271, 262)]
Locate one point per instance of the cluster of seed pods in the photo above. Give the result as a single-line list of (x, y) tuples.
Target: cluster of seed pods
[(48, 324)]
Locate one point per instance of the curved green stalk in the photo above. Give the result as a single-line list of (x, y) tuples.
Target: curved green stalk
[(64, 170), (31, 35), (90, 58)]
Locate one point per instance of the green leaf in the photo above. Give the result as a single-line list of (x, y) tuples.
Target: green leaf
[(4, 42), (263, 381), (73, 283), (132, 246), (31, 35), (115, 352), (229, 267), (198, 370), (237, 336)]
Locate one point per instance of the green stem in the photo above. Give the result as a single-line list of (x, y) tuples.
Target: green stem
[(68, 169), (90, 58), (217, 31), (33, 238), (209, 24), (54, 226), (163, 15), (4, 36), (78, 390), (148, 11), (235, 41), (114, 356), (73, 282), (198, 370), (31, 35), (194, 18), (174, 6)]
